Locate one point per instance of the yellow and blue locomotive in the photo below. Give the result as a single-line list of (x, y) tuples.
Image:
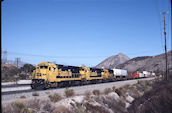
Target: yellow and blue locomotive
[(48, 75)]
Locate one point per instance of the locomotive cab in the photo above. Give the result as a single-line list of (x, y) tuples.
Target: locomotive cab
[(42, 73)]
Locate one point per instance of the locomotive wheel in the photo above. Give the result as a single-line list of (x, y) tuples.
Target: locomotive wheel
[(32, 86)]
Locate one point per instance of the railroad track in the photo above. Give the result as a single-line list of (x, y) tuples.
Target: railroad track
[(25, 88), (14, 85), (17, 91)]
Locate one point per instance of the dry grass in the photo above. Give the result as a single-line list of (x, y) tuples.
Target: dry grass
[(48, 107), (34, 104), (106, 104), (94, 108), (113, 88), (107, 91), (35, 94), (119, 91), (87, 95), (17, 107), (79, 109), (69, 92), (55, 97), (23, 96), (61, 109)]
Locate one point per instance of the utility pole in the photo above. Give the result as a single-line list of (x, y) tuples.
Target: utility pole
[(166, 60), (5, 56), (17, 61)]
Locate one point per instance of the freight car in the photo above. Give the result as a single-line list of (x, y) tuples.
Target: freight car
[(120, 74)]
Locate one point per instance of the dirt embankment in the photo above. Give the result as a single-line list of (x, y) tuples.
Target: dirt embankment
[(108, 100), (157, 100)]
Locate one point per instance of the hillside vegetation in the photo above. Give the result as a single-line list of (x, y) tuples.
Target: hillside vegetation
[(125, 99), (10, 72), (157, 100)]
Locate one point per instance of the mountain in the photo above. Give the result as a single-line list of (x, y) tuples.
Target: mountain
[(147, 63), (113, 61)]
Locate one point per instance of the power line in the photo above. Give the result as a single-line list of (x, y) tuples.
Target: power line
[(45, 56)]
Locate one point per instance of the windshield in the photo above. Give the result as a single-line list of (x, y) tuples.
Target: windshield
[(43, 67)]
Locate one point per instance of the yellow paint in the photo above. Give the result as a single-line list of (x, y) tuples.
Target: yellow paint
[(49, 72)]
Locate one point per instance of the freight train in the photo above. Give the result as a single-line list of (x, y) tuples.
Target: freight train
[(47, 75)]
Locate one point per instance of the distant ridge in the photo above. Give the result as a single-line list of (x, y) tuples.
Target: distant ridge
[(113, 61), (21, 63), (148, 63)]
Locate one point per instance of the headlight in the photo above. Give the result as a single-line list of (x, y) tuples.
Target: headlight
[(38, 74)]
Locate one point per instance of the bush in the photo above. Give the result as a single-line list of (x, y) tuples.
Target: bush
[(23, 96), (107, 91), (55, 97), (113, 88), (48, 107), (35, 94), (18, 107), (61, 109), (34, 104), (152, 100), (87, 95), (69, 92), (118, 91), (90, 108), (96, 92)]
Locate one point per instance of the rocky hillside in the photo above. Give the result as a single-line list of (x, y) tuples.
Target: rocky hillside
[(148, 63), (113, 61)]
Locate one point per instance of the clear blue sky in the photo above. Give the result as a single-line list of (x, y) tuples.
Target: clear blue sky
[(77, 32)]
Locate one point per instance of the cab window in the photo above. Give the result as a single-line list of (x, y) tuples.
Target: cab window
[(49, 68), (43, 67), (53, 69)]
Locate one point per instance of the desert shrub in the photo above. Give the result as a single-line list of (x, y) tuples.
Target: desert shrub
[(113, 88), (7, 109), (138, 81), (23, 96), (35, 94), (126, 86), (69, 92), (151, 101), (18, 107), (140, 88), (107, 91), (48, 107), (94, 108), (114, 105), (55, 97), (87, 95), (34, 104), (79, 108), (61, 109), (96, 92), (121, 103), (118, 91)]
